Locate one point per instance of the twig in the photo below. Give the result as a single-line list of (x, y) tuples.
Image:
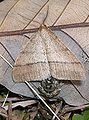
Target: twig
[(58, 27), (3, 112), (57, 110), (10, 111), (70, 109), (5, 99), (6, 61)]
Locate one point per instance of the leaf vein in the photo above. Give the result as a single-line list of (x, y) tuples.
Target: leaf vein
[(8, 12), (61, 13)]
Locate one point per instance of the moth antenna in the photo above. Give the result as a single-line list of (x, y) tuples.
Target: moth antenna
[(35, 20), (29, 19), (46, 15)]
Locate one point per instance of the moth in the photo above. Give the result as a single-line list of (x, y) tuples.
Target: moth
[(45, 56)]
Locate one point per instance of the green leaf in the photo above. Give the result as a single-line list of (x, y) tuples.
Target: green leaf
[(86, 114), (83, 116), (77, 117)]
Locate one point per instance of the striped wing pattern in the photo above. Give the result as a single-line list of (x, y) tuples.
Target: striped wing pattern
[(45, 55)]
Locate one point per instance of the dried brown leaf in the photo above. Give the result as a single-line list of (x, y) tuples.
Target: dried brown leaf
[(19, 14)]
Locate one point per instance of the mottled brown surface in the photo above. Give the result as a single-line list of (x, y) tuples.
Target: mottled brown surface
[(45, 55)]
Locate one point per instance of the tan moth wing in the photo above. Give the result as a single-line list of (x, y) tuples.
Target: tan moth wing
[(45, 55), (31, 63)]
